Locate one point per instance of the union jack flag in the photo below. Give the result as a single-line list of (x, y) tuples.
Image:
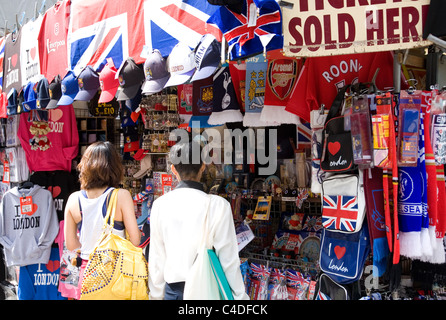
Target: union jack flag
[(245, 32), (105, 29), (169, 21), (340, 212), (322, 296), (2, 56)]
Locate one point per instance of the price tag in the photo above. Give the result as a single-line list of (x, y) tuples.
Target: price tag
[(6, 177), (26, 205)]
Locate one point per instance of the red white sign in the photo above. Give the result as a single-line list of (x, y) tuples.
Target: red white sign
[(332, 27)]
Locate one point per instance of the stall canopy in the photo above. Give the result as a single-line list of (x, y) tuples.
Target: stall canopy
[(332, 27)]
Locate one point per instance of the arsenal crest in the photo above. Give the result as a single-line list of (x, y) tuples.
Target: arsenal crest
[(282, 75)]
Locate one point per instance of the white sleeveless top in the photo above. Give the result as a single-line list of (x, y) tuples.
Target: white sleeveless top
[(90, 228)]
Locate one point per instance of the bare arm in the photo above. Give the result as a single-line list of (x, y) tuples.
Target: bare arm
[(72, 218), (125, 212)]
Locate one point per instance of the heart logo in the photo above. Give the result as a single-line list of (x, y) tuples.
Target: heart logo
[(334, 147), (14, 60), (339, 252), (55, 114), (32, 53), (55, 191), (33, 210), (53, 265)]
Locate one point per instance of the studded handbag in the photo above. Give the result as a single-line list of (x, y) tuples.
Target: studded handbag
[(116, 270)]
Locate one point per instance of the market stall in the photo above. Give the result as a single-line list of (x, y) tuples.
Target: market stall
[(315, 117)]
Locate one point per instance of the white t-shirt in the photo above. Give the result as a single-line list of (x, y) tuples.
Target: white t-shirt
[(29, 52)]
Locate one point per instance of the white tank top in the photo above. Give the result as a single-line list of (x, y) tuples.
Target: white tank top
[(90, 227)]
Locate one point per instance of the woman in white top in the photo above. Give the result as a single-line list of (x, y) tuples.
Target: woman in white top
[(176, 228), (100, 171)]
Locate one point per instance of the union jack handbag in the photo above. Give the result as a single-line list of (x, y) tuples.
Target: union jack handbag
[(343, 202)]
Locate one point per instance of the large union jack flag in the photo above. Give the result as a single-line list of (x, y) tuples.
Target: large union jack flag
[(256, 29), (340, 212), (169, 21), (105, 29)]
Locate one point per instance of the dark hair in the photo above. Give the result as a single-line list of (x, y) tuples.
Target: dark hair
[(181, 156), (100, 166)]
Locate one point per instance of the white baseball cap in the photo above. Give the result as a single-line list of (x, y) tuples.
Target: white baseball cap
[(180, 64)]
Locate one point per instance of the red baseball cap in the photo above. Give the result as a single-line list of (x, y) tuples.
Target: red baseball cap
[(108, 81)]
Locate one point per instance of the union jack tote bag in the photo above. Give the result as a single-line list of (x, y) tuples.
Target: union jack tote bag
[(343, 202)]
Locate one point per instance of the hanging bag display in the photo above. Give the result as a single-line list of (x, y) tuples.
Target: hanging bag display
[(342, 256), (330, 290), (116, 269), (337, 151), (206, 279), (343, 202)]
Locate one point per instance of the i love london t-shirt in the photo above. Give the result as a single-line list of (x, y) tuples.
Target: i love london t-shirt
[(12, 77), (29, 54), (322, 77), (52, 40)]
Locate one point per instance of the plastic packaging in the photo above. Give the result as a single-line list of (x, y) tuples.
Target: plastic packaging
[(361, 132), (408, 129)]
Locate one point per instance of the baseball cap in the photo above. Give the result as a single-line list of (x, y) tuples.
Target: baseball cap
[(108, 82), (43, 95), (69, 89), (155, 69), (130, 76), (88, 83), (180, 64), (55, 92), (12, 102), (207, 57), (29, 97)]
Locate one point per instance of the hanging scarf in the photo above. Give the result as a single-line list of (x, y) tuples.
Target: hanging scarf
[(373, 189), (280, 81), (225, 106), (426, 245), (431, 174), (390, 179), (410, 211), (256, 68)]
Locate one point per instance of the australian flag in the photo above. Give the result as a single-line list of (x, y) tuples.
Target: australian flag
[(169, 21), (256, 29), (340, 212)]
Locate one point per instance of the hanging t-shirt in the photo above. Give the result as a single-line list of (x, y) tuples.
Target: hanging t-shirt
[(321, 77), (52, 40), (29, 54), (12, 77), (53, 148), (40, 281)]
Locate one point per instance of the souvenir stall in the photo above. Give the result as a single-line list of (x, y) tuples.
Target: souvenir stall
[(322, 142)]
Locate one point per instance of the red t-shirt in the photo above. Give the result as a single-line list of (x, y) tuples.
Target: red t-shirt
[(321, 77), (53, 40)]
